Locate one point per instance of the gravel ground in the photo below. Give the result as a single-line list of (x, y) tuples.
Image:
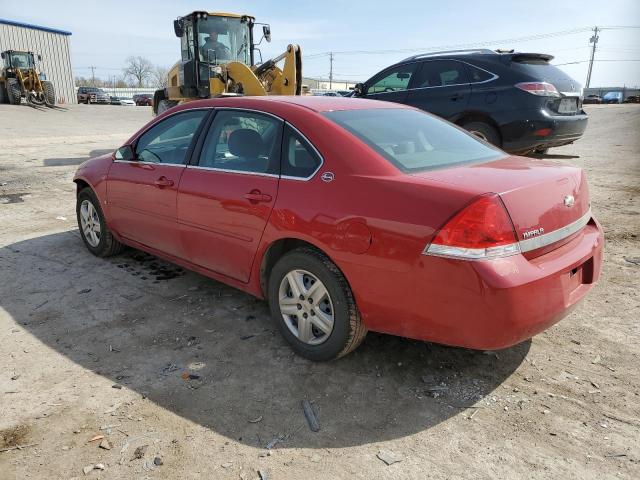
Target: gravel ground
[(93, 347)]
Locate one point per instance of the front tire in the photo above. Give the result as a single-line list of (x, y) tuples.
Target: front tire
[(93, 228), (13, 91), (49, 93), (313, 306)]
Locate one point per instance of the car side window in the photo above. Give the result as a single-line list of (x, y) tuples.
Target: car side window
[(393, 80), (440, 73), (299, 158), (242, 141), (477, 75), (169, 140)]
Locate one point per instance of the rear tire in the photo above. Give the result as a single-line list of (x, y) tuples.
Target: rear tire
[(3, 94), (13, 91), (483, 130), (99, 241), (334, 326), (49, 93), (541, 151)]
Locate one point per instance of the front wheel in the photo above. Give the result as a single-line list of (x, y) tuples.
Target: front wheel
[(14, 93), (313, 306), (93, 228)]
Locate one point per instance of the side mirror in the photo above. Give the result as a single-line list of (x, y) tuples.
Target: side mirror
[(266, 31), (178, 28), (125, 153), (359, 89)]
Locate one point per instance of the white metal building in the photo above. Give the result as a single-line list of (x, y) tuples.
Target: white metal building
[(52, 44)]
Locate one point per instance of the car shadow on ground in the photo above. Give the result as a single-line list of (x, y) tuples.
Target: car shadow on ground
[(61, 162), (146, 325)]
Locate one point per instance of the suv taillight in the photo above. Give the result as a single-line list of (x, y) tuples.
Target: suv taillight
[(480, 231), (542, 89)]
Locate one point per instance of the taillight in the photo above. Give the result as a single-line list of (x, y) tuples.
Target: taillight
[(542, 89), (481, 230)]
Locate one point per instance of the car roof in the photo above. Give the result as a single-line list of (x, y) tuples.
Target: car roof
[(315, 103)]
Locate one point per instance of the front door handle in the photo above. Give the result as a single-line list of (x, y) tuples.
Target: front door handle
[(256, 196), (455, 97), (163, 182)]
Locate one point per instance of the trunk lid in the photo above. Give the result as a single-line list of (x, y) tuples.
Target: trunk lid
[(541, 197)]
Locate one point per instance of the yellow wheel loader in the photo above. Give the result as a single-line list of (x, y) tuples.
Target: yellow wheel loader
[(20, 78), (218, 58)]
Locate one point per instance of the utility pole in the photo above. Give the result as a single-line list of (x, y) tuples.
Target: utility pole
[(594, 40), (93, 77), (330, 70)]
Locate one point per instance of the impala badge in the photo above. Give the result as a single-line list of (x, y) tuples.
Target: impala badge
[(569, 201), (533, 233), (327, 177)]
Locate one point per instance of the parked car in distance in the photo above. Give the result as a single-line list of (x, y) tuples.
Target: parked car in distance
[(92, 95), (143, 99), (113, 100), (592, 99), (612, 97), (127, 102), (517, 101), (632, 99), (350, 215)]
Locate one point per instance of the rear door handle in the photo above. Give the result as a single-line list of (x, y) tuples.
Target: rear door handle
[(455, 96), (163, 182), (257, 196)]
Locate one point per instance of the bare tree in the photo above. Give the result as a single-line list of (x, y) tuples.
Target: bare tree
[(138, 69), (159, 76)]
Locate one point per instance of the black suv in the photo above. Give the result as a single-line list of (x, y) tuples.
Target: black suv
[(518, 101)]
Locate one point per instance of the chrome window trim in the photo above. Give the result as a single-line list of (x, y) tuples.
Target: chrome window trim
[(152, 163), (559, 234), (303, 179), (502, 251), (228, 170)]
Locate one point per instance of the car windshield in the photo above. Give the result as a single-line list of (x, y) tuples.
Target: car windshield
[(412, 140), (223, 39)]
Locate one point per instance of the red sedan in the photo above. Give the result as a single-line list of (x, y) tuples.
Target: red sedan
[(350, 215)]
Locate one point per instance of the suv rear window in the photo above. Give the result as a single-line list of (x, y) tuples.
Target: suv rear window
[(414, 141)]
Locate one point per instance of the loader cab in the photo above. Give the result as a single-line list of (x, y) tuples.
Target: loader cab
[(209, 40), (15, 59)]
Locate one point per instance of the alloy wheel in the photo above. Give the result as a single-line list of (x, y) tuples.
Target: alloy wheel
[(306, 307), (90, 222)]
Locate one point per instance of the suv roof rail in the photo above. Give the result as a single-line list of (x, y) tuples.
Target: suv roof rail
[(483, 51)]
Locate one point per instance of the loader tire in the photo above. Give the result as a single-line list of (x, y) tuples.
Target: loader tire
[(3, 94), (49, 93), (164, 105), (13, 91)]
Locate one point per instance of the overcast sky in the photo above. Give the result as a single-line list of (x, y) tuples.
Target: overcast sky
[(106, 32)]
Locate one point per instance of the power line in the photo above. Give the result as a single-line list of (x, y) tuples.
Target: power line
[(598, 60)]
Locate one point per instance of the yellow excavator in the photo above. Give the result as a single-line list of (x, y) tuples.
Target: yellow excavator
[(218, 59)]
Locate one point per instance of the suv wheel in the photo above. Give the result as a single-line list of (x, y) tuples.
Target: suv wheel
[(484, 131), (313, 306)]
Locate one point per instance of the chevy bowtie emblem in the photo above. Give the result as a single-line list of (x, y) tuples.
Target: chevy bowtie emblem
[(569, 201), (327, 177)]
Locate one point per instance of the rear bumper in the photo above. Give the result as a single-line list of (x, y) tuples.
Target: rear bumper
[(486, 304), (538, 129)]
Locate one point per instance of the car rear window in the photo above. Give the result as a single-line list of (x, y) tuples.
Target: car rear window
[(414, 141)]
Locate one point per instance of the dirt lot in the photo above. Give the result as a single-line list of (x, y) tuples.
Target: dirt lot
[(99, 347)]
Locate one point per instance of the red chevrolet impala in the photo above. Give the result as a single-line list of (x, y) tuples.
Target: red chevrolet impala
[(350, 215)]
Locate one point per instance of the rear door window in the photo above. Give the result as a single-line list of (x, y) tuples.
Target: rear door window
[(440, 73), (243, 141)]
